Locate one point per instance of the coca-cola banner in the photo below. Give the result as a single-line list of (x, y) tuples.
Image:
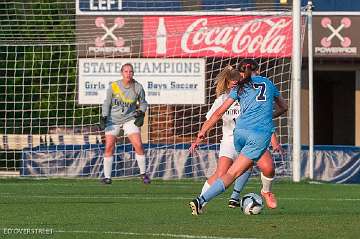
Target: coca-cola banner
[(230, 36)]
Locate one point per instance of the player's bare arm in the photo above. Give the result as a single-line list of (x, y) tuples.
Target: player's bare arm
[(215, 117), (208, 124)]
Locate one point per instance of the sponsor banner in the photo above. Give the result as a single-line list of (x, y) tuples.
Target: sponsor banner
[(165, 81), (336, 36), (108, 35), (219, 36)]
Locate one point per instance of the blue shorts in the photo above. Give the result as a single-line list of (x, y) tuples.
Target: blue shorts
[(251, 143)]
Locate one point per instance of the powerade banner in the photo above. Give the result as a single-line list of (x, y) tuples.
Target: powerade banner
[(108, 36), (335, 36), (217, 36)]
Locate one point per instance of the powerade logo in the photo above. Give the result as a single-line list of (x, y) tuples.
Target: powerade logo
[(109, 37), (336, 37)]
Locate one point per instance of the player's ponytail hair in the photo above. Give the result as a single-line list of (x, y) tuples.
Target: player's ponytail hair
[(222, 81), (248, 67)]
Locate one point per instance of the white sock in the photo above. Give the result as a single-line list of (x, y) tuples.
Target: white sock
[(108, 166), (267, 183), (205, 187), (141, 162)]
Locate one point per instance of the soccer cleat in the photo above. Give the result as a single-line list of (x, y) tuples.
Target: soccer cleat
[(233, 203), (145, 178), (195, 207), (106, 181), (269, 199)]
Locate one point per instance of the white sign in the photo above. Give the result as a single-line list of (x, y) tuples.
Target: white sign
[(165, 81)]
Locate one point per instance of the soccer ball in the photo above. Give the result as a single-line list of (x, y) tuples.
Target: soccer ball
[(251, 204)]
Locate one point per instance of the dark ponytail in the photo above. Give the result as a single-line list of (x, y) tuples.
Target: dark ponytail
[(247, 71), (246, 66)]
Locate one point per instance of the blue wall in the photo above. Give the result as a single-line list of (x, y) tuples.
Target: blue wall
[(212, 5), (334, 5)]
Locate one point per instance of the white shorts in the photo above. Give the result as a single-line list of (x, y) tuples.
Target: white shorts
[(227, 149), (128, 127)]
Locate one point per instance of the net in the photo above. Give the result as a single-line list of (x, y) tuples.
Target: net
[(58, 58)]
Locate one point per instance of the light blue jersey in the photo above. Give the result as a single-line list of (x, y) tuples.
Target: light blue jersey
[(254, 126), (256, 103)]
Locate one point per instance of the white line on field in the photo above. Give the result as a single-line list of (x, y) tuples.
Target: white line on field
[(151, 234), (157, 198), (97, 197)]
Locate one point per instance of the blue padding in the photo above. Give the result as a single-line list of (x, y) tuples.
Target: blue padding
[(123, 147), (128, 147), (332, 147)]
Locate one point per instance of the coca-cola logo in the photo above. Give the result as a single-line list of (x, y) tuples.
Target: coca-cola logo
[(221, 36), (249, 37)]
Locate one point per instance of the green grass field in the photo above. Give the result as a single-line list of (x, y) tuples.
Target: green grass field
[(74, 208)]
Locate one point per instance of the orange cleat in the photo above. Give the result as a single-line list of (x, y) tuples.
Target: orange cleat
[(269, 199)]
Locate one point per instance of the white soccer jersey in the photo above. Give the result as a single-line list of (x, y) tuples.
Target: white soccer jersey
[(228, 118)]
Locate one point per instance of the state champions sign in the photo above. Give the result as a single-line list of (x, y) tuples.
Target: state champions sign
[(165, 81)]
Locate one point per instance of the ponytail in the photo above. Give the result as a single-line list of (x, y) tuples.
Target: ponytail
[(246, 66), (248, 71), (222, 82)]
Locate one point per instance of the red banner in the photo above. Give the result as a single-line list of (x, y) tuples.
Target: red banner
[(220, 36)]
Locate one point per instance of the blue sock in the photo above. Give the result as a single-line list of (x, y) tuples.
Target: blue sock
[(215, 189), (239, 184)]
